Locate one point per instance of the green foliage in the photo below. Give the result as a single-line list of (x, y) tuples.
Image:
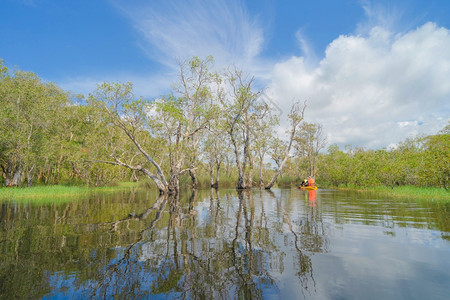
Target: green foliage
[(31, 112), (57, 193), (46, 136), (207, 122), (287, 181), (423, 162)]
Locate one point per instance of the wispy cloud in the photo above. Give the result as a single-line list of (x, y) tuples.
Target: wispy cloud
[(386, 15), (305, 46), (372, 88), (179, 29)]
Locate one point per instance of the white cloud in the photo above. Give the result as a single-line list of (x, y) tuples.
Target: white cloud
[(176, 30), (366, 87), (372, 88), (180, 29), (388, 14)]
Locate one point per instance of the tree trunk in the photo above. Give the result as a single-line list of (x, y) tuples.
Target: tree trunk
[(134, 176), (216, 184), (261, 167), (283, 162), (30, 176), (13, 175), (250, 171), (173, 187), (211, 174), (58, 166), (163, 188), (241, 176), (227, 171), (194, 178)]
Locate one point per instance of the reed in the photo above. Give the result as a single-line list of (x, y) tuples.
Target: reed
[(408, 191), (56, 193)]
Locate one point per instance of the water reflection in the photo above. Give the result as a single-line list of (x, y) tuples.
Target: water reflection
[(207, 244)]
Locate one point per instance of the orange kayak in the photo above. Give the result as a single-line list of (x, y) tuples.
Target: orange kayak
[(307, 188)]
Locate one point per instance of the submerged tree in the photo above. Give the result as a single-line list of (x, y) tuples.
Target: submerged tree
[(295, 117), (309, 140), (214, 152), (242, 110), (263, 132), (177, 120)]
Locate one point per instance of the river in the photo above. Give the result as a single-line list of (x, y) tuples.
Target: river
[(284, 244)]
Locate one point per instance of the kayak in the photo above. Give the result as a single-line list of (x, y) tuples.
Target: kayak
[(307, 188)]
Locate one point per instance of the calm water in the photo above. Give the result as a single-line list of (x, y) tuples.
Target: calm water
[(284, 244)]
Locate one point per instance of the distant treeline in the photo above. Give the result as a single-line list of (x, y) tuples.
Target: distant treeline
[(422, 162), (212, 128)]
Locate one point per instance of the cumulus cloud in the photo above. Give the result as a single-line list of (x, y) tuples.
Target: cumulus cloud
[(373, 90)]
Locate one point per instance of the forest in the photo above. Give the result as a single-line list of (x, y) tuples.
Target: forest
[(212, 130)]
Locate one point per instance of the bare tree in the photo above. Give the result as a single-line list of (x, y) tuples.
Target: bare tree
[(242, 109), (308, 142), (263, 132), (176, 120), (295, 117), (214, 150)]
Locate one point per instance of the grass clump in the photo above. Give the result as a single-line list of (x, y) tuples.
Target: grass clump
[(55, 193), (407, 191)]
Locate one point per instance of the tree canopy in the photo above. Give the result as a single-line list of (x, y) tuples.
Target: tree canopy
[(213, 125)]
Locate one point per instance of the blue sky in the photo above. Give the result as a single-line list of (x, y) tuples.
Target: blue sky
[(374, 72)]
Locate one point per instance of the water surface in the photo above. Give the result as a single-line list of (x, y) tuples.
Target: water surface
[(285, 244)]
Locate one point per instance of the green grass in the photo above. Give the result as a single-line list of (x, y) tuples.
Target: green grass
[(412, 192), (56, 193)]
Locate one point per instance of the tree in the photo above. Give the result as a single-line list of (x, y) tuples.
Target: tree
[(309, 140), (214, 150), (177, 120), (29, 112), (242, 111), (436, 158), (263, 133), (295, 117)]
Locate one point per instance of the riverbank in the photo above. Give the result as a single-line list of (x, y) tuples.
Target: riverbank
[(56, 193), (412, 192)]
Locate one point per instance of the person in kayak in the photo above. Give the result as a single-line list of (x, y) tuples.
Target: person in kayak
[(304, 182)]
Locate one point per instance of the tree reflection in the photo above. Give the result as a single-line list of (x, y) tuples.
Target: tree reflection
[(203, 245), (125, 270), (244, 257), (163, 249), (309, 235)]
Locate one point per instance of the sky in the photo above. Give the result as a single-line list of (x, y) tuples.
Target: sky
[(373, 73)]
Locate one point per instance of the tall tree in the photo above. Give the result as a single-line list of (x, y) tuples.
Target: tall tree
[(309, 140), (29, 112), (295, 117), (175, 119), (214, 151), (264, 134), (242, 109)]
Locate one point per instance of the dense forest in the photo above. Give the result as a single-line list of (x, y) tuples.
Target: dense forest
[(213, 129)]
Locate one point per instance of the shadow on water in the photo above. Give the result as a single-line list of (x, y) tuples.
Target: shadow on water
[(206, 244)]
